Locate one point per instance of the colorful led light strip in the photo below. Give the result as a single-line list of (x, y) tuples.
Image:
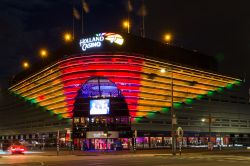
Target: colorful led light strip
[(146, 90)]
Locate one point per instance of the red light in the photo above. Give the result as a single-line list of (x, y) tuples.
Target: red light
[(123, 71)]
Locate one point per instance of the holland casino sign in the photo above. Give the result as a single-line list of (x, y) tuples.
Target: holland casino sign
[(97, 40)]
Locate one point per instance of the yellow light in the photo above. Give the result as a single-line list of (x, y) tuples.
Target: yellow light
[(25, 65), (168, 37), (163, 70), (43, 53), (67, 37), (203, 119), (126, 24), (115, 38)]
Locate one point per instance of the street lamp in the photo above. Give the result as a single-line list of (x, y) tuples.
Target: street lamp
[(209, 120), (25, 65), (67, 37), (173, 116), (126, 24), (43, 53), (168, 38)]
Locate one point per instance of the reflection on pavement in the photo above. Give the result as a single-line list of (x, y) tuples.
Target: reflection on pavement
[(27, 152)]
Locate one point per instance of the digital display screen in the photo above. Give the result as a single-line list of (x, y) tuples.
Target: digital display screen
[(99, 107)]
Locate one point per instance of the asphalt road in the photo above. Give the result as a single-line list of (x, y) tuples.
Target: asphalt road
[(126, 160)]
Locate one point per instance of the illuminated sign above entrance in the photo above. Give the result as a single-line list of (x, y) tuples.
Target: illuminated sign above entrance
[(101, 134), (97, 40)]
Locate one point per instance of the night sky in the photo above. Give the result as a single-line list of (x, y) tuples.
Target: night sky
[(219, 28)]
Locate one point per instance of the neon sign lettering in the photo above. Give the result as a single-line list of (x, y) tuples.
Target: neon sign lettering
[(96, 41), (91, 42)]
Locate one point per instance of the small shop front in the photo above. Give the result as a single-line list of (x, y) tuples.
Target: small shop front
[(99, 140)]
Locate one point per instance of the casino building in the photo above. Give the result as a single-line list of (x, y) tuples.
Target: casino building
[(104, 89)]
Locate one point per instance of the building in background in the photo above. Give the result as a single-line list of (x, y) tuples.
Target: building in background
[(103, 88)]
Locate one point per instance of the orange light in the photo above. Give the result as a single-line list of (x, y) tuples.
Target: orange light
[(43, 53), (125, 24), (168, 37), (26, 65), (67, 37)]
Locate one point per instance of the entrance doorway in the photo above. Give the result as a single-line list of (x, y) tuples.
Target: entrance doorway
[(102, 143)]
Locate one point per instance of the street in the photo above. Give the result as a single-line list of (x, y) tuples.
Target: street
[(194, 159)]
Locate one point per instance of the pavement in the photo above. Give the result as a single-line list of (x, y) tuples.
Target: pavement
[(158, 157), (201, 151), (152, 158)]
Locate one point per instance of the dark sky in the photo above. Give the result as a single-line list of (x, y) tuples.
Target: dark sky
[(219, 28)]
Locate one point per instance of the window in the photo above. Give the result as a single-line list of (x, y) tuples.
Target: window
[(76, 120), (82, 120)]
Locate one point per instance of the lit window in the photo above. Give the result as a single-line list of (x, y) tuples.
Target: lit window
[(76, 120)]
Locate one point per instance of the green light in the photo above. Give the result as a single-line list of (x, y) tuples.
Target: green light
[(69, 120), (138, 119), (230, 86), (189, 101), (220, 89), (199, 97), (151, 114), (50, 113), (32, 101), (238, 83), (59, 117), (210, 93), (177, 105), (165, 109)]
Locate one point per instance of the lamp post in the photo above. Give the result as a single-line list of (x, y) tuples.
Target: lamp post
[(58, 143), (126, 24), (173, 115), (25, 65), (43, 53), (168, 38), (67, 37), (209, 120), (209, 126)]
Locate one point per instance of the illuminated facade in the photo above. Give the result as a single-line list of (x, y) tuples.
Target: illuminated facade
[(140, 84)]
